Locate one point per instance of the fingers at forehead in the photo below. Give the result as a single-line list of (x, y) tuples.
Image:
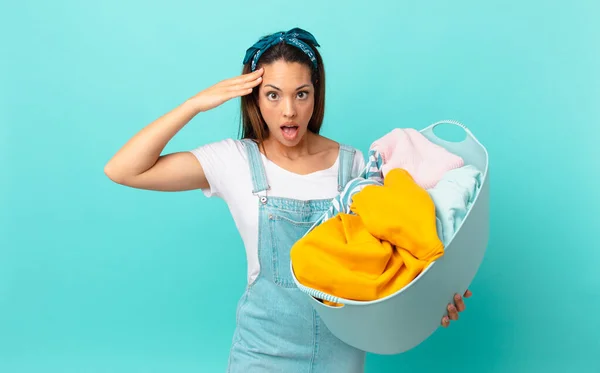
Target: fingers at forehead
[(247, 77), (246, 85), (253, 82), (240, 92)]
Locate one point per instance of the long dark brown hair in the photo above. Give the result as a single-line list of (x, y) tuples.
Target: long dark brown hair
[(253, 125)]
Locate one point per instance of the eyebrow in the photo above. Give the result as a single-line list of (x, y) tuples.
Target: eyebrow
[(302, 86)]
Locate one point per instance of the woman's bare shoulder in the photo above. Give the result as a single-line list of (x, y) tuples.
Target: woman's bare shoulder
[(325, 144)]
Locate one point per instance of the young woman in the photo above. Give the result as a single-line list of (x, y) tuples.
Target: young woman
[(276, 180)]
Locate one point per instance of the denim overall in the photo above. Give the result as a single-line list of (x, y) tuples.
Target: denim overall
[(277, 328)]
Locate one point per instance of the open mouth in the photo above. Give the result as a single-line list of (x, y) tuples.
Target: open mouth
[(289, 131)]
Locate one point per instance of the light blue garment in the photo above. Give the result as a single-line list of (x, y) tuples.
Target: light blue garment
[(278, 330), (453, 196)]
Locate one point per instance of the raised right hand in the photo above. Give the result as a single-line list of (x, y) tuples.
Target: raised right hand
[(226, 90), (139, 163)]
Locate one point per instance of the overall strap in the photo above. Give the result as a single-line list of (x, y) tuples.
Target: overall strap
[(345, 165), (257, 169)]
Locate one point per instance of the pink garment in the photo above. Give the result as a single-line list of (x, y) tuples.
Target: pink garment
[(407, 148)]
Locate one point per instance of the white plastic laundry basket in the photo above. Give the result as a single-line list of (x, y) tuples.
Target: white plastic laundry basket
[(403, 320)]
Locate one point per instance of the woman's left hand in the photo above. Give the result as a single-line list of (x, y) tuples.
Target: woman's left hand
[(454, 309)]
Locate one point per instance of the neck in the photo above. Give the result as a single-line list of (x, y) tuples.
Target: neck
[(272, 146)]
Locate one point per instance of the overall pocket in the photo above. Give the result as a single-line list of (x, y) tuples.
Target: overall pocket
[(285, 231)]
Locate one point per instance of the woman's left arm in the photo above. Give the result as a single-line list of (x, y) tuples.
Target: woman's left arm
[(454, 309)]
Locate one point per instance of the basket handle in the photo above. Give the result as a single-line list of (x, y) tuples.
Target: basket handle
[(470, 137), (450, 121)]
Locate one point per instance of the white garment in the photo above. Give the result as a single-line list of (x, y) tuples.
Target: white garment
[(227, 170)]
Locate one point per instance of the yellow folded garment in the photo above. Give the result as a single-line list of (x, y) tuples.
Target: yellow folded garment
[(376, 252), (402, 213)]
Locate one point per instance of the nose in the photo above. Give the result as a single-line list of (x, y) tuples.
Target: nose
[(289, 108)]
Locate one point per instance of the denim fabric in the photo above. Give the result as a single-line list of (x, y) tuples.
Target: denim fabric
[(277, 328)]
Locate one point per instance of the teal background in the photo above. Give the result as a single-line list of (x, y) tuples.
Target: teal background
[(96, 277)]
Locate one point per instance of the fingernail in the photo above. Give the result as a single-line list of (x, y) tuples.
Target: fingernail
[(457, 297)]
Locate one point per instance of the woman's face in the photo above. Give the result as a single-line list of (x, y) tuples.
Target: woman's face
[(286, 100)]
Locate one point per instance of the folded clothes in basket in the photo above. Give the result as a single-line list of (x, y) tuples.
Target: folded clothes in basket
[(377, 250), (453, 197), (410, 150), (384, 228)]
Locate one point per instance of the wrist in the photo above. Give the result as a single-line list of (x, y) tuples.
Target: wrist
[(192, 106)]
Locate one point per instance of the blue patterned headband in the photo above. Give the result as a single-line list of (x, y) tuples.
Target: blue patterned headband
[(296, 37)]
